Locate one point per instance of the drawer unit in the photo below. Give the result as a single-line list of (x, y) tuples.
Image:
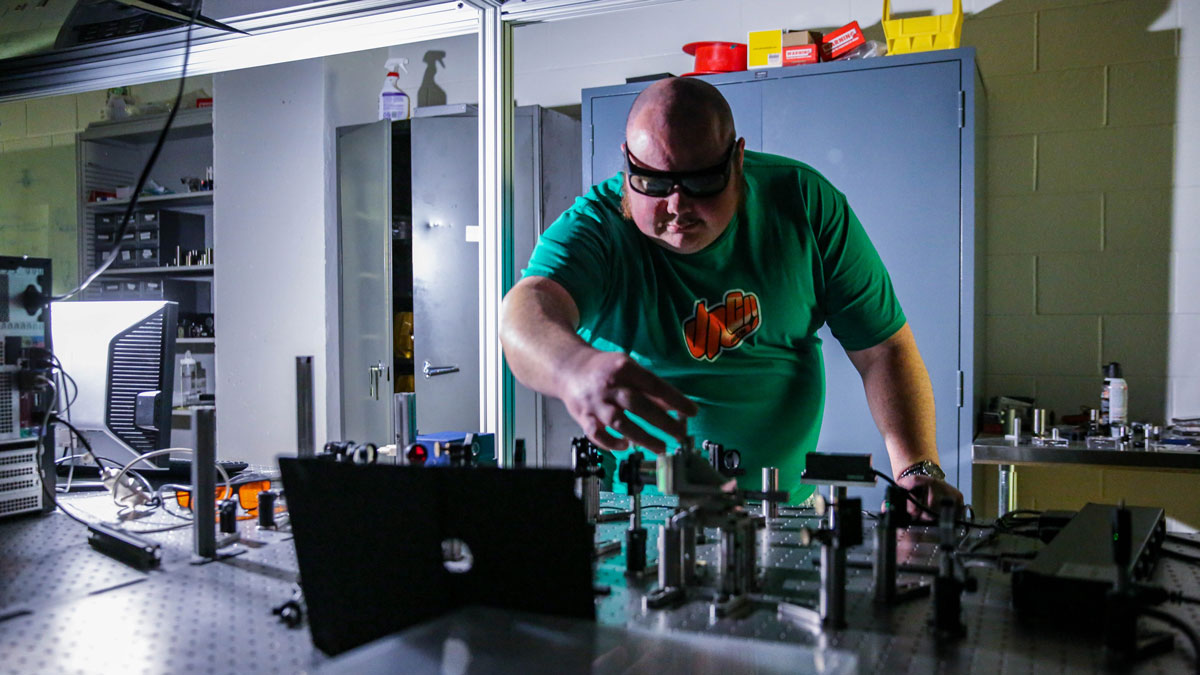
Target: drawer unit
[(153, 238)]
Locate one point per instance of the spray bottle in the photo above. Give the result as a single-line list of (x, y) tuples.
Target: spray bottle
[(393, 102)]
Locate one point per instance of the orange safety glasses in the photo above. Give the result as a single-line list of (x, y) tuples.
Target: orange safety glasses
[(247, 495)]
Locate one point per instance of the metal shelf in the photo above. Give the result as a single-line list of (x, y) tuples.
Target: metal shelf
[(189, 123), (194, 272), (196, 341), (204, 198)]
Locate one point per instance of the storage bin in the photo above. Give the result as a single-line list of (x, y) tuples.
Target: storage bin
[(922, 33)]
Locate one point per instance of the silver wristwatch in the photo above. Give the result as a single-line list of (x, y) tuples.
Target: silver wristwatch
[(925, 467)]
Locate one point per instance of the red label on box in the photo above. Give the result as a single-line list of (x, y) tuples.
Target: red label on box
[(842, 40), (800, 54)]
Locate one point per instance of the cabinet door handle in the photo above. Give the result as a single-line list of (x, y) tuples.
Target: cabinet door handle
[(431, 370)]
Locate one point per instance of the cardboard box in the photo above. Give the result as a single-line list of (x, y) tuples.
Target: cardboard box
[(775, 48), (801, 47), (841, 41), (801, 54), (795, 38), (764, 49)]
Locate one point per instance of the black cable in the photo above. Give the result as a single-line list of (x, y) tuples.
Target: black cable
[(119, 236), (41, 449), (58, 365), (1180, 625), (1019, 555), (74, 387), (114, 462), (925, 509), (644, 507), (81, 437)]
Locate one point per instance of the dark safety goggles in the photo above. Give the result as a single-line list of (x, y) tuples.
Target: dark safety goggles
[(698, 183)]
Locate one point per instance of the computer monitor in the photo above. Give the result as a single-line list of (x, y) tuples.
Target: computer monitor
[(121, 355)]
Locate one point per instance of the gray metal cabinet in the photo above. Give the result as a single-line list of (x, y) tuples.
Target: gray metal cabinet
[(445, 279), (898, 136), (364, 281)]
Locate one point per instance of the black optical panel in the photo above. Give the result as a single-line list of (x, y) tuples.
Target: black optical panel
[(822, 468), (370, 544), (1067, 581)]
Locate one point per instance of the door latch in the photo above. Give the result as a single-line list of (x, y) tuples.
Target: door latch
[(431, 370), (374, 373)]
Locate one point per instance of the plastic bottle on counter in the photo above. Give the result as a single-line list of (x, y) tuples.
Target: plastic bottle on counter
[(1114, 398), (187, 376)]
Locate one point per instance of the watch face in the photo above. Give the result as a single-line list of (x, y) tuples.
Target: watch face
[(933, 470), (925, 468)]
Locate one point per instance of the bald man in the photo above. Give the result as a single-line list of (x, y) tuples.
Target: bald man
[(683, 297)]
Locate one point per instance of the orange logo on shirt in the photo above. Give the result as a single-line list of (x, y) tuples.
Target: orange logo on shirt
[(710, 331)]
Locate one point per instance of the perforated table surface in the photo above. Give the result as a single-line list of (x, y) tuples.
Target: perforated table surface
[(65, 608)]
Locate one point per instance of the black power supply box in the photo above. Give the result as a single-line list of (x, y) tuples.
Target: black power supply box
[(1069, 578)]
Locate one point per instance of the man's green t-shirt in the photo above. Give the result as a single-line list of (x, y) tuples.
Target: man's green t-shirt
[(733, 326)]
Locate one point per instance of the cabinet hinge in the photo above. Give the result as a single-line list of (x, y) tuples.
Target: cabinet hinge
[(959, 387), (962, 109)]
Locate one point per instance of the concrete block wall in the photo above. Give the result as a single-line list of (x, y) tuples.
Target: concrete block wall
[(38, 187), (1081, 184)]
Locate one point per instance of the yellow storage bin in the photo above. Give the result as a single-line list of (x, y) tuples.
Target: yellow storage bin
[(922, 33)]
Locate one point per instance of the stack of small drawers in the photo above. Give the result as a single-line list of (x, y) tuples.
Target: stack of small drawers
[(153, 238)]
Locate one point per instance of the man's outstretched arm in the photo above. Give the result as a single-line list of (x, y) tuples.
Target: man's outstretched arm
[(901, 400), (538, 323)]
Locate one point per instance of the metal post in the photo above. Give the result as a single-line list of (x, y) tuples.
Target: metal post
[(885, 559), (405, 414), (770, 483), (833, 568), (688, 552), (204, 488), (495, 217), (306, 435), (728, 562), (589, 492), (670, 556), (1008, 489)]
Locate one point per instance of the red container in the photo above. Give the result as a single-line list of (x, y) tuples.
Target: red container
[(841, 41), (800, 55), (716, 57)]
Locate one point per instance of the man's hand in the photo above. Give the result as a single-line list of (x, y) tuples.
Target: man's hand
[(929, 491), (600, 387), (545, 353)]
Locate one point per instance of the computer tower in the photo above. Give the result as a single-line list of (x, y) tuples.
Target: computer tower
[(24, 334)]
